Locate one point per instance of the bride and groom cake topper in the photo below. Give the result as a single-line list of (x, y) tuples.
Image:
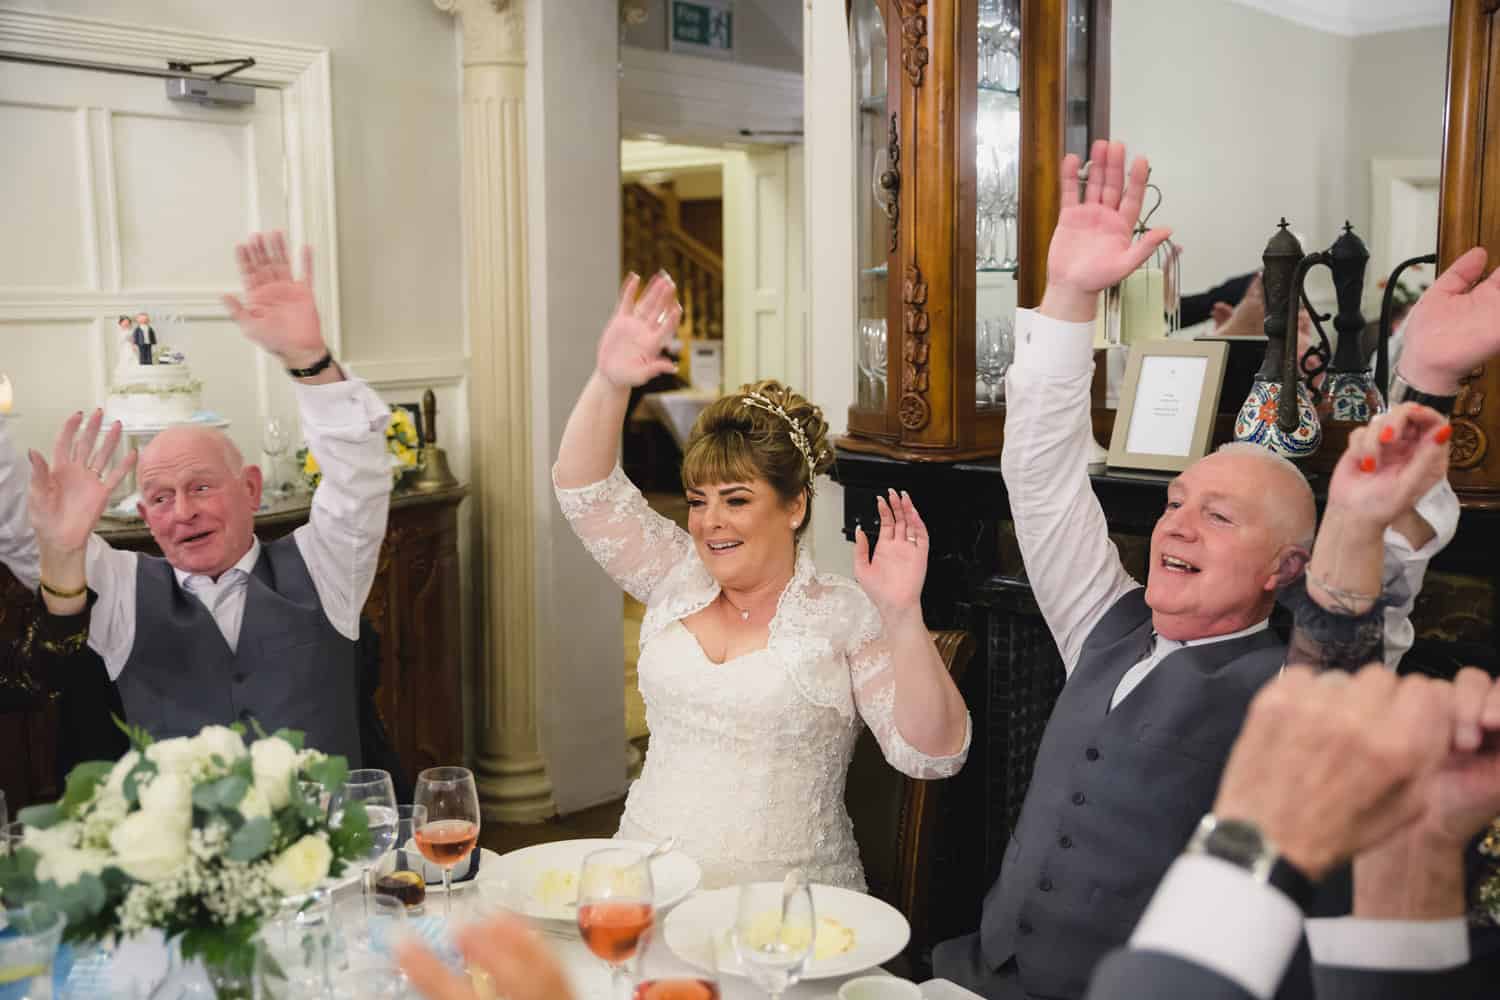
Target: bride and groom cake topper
[(138, 334)]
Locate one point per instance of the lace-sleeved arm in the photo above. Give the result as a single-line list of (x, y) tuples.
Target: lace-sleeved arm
[(873, 676), (634, 544)]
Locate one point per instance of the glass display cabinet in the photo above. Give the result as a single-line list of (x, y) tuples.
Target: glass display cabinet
[(964, 111)]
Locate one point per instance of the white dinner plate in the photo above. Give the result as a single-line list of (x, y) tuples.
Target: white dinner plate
[(880, 931), (674, 874)]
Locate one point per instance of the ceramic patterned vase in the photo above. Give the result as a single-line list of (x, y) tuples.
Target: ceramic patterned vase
[(1352, 397), (1256, 421)]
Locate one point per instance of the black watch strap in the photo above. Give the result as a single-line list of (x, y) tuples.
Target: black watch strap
[(318, 367), (1294, 885), (1403, 391)]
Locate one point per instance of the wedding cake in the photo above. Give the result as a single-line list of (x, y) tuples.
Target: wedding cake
[(155, 395)]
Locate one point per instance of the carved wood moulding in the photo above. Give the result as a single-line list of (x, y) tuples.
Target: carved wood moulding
[(914, 53), (915, 411)]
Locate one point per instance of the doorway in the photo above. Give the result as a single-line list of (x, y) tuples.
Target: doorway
[(726, 222)]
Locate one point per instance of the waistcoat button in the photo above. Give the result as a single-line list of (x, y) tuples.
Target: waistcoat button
[(1023, 925), (1046, 884), (1092, 753), (1078, 799), (1065, 841)]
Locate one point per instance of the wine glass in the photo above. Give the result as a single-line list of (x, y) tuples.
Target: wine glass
[(273, 442), (452, 828), (375, 789), (615, 907), (773, 931), (665, 976)]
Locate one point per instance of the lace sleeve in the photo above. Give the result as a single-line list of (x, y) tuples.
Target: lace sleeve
[(634, 544), (872, 674)]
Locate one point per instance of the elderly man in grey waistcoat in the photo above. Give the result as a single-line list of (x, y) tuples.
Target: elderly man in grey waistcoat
[(1159, 678), (225, 628)]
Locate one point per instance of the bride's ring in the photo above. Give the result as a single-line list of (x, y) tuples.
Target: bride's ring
[(661, 318), (912, 539)]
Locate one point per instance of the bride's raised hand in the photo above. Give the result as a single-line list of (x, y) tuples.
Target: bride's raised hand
[(892, 577), (642, 325)]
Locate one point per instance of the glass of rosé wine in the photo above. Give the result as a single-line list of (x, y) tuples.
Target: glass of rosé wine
[(615, 908), (694, 976), (452, 826)]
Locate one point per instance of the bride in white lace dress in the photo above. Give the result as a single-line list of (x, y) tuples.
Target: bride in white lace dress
[(756, 669)]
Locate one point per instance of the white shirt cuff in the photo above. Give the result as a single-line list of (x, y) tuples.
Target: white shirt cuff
[(1439, 508), (1047, 346), (1389, 945), (350, 403), (1212, 914)]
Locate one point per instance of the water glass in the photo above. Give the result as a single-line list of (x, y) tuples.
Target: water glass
[(616, 908), (28, 947), (774, 930), (296, 954), (11, 835), (274, 442), (452, 827), (375, 790)]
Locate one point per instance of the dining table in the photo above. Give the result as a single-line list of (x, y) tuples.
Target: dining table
[(358, 955)]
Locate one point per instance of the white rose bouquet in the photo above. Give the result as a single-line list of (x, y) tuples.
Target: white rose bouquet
[(201, 837)]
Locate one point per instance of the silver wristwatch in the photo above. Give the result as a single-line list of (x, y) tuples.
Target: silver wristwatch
[(1403, 391), (1241, 844)]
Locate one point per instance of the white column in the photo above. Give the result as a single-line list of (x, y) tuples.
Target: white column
[(511, 773)]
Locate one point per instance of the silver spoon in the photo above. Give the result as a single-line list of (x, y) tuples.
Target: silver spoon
[(665, 847)]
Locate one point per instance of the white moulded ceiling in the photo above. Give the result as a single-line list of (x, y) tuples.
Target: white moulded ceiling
[(1356, 17)]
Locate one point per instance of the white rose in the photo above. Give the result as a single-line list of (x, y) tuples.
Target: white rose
[(168, 799), (115, 783), (107, 811), (274, 761), (220, 740), (255, 804), (57, 837), (149, 850), (66, 866), (302, 866), (174, 756)]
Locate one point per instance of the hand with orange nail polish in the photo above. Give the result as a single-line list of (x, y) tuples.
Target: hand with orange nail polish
[(1390, 464)]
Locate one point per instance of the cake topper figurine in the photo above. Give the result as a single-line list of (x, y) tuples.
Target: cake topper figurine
[(144, 338)]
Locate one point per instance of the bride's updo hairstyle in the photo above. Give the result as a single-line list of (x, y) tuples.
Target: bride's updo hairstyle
[(763, 430)]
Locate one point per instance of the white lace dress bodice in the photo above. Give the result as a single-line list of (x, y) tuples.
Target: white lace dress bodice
[(748, 757)]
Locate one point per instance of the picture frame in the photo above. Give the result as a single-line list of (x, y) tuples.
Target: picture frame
[(1168, 401)]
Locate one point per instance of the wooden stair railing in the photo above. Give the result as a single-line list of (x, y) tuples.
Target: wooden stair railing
[(652, 239)]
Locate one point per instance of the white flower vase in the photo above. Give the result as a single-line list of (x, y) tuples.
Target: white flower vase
[(195, 980)]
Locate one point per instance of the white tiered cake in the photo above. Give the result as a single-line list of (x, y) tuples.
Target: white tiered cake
[(153, 396)]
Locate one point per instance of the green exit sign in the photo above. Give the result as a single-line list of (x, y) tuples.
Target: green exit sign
[(701, 27)]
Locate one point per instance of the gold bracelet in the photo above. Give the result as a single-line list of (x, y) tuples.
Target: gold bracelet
[(64, 594)]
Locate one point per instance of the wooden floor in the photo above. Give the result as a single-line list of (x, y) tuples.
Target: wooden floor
[(600, 821)]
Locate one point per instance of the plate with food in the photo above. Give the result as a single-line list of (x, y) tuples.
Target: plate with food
[(854, 932), (543, 878)]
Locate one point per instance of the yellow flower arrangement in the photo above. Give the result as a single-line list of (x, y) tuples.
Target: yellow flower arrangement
[(401, 441)]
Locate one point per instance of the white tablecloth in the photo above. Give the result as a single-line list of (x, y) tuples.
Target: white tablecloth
[(143, 962)]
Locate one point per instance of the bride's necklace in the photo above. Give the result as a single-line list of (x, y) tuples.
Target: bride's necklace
[(744, 613)]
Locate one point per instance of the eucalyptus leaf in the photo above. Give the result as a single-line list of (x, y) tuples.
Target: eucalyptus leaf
[(42, 816), (296, 737), (251, 841)]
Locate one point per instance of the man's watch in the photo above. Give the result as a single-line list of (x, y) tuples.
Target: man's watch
[(318, 367), (1403, 391), (1241, 844)]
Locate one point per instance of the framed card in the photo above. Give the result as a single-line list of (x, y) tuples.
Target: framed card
[(1168, 400)]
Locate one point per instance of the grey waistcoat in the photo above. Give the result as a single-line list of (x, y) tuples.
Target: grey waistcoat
[(293, 669), (1115, 795)]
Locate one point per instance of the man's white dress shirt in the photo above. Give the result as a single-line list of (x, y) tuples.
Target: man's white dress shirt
[(1076, 577), (344, 423), (17, 541)]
